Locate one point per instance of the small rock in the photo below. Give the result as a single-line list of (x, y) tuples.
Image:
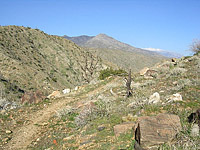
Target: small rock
[(38, 139), (143, 71), (174, 98), (66, 91), (155, 98), (68, 138), (101, 128), (195, 130), (8, 132), (177, 97), (54, 94), (6, 140), (44, 124), (76, 88)]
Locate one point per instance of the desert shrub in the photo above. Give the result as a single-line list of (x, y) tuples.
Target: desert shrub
[(163, 70), (101, 109), (110, 72), (84, 116), (177, 71), (63, 112)]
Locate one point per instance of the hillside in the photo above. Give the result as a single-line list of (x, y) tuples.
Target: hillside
[(116, 52), (99, 116), (32, 60)]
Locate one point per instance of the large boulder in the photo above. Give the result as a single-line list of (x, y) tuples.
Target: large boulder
[(152, 131)]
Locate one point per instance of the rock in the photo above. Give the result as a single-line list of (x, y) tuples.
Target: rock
[(195, 130), (175, 97), (5, 104), (101, 128), (152, 131), (8, 131), (66, 91), (54, 94), (137, 146), (151, 73), (76, 88), (174, 60), (44, 124), (143, 71), (155, 98), (123, 128), (68, 138), (6, 140)]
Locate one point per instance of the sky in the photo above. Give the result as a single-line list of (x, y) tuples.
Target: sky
[(170, 25)]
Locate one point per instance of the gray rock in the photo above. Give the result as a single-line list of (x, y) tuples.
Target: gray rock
[(174, 98), (155, 98), (195, 130)]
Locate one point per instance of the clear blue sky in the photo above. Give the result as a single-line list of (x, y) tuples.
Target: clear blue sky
[(166, 24)]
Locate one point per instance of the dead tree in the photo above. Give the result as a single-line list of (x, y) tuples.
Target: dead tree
[(88, 65), (128, 85)]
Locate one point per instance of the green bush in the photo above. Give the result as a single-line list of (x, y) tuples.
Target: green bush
[(110, 72)]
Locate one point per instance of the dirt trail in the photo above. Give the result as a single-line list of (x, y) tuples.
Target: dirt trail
[(22, 137), (25, 135)]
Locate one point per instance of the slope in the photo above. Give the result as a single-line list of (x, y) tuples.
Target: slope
[(86, 119), (32, 60)]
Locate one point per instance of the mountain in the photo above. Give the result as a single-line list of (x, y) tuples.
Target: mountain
[(116, 52), (32, 60), (103, 41), (164, 52), (80, 40)]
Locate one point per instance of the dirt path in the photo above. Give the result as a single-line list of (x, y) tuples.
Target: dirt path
[(25, 135), (22, 137)]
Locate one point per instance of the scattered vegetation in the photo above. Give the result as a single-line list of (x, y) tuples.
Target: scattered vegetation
[(111, 72)]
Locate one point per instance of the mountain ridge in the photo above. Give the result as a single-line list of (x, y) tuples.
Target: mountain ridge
[(123, 55), (104, 41)]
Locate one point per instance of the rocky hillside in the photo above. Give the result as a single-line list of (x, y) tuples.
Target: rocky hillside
[(162, 113), (118, 53), (32, 60)]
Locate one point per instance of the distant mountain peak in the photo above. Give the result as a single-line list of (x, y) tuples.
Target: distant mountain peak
[(164, 52)]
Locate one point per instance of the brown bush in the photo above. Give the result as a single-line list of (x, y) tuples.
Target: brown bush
[(32, 97)]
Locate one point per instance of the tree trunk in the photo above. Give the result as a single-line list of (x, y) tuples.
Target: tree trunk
[(128, 85)]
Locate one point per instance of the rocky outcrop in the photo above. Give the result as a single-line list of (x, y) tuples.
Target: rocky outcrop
[(152, 131)]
